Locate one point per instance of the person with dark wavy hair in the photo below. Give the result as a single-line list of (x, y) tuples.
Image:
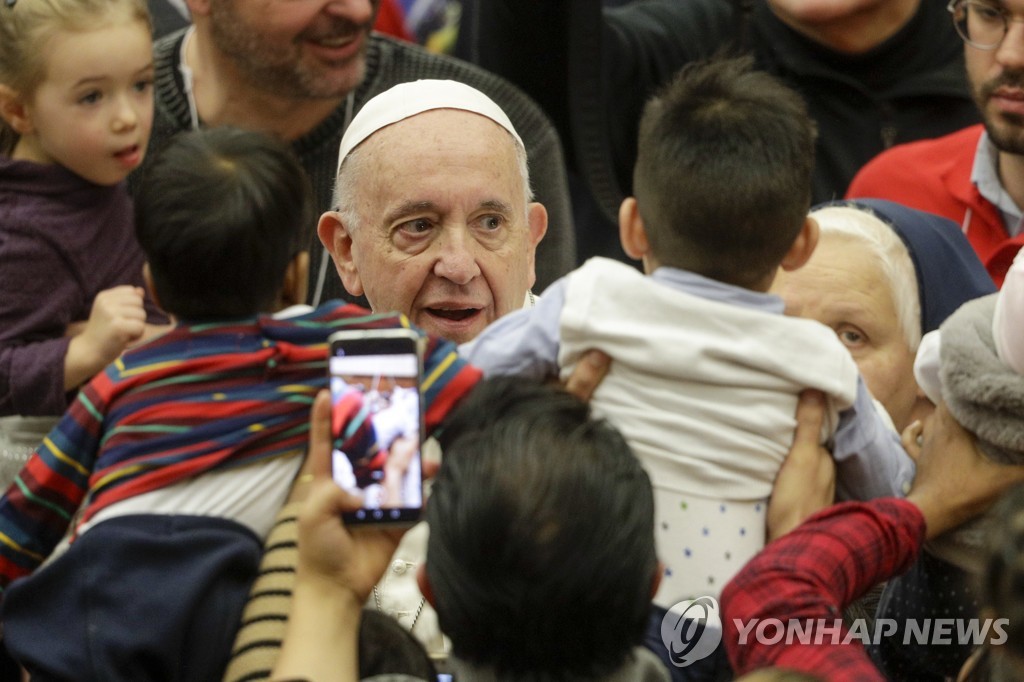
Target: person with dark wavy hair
[(535, 509)]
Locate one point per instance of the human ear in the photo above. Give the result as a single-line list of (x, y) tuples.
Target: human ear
[(14, 111), (198, 7), (336, 237), (424, 584), (656, 580), (537, 221), (803, 246), (632, 233), (147, 277), (295, 286)]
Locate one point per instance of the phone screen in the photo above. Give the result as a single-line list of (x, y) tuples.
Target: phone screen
[(376, 424)]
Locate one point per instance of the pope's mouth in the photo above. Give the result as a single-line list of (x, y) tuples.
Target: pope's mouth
[(454, 314)]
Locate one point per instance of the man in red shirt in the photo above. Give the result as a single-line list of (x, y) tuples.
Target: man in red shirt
[(974, 176)]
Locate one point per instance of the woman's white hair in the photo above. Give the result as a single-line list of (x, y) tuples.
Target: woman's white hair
[(889, 252)]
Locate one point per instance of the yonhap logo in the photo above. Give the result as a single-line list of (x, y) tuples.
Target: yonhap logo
[(692, 630)]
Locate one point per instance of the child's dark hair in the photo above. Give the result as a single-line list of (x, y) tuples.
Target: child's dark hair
[(386, 648), (723, 172), (220, 213), (531, 514)]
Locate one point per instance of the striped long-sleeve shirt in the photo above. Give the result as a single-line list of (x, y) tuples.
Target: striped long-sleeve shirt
[(199, 398)]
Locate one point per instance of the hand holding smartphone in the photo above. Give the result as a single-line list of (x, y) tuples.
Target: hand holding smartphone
[(377, 422)]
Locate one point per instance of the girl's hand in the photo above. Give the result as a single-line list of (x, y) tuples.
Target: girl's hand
[(117, 319)]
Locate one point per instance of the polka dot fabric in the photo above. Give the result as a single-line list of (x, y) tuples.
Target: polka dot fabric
[(703, 542)]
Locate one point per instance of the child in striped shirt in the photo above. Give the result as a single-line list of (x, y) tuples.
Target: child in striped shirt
[(177, 457)]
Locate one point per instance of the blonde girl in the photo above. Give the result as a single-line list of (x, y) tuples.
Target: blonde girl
[(76, 108)]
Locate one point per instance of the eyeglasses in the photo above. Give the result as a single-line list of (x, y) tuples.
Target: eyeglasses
[(981, 24)]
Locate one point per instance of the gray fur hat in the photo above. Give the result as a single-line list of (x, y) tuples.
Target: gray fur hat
[(984, 395)]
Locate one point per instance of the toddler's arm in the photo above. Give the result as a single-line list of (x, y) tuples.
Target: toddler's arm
[(524, 342), (1008, 321), (870, 460), (37, 509)]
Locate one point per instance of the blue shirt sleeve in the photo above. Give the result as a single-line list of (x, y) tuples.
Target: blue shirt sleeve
[(870, 460), (524, 342)]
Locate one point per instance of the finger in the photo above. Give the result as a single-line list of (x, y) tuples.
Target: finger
[(325, 502), (588, 374), (313, 463), (121, 291), (810, 415), (318, 458), (133, 330), (1010, 475)]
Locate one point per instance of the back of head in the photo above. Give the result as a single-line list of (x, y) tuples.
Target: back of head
[(541, 553), (723, 172), (220, 213), (27, 25), (387, 648)]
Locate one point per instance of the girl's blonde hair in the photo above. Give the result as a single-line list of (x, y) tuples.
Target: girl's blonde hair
[(27, 25)]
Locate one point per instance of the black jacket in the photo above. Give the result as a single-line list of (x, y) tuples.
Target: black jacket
[(592, 69)]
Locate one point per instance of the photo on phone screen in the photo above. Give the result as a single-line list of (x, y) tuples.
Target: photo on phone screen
[(376, 423)]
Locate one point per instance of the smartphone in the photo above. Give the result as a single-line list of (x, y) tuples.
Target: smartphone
[(377, 422)]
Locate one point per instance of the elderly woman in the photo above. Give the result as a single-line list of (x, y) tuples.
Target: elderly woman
[(882, 276)]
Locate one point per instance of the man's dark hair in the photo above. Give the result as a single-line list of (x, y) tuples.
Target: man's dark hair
[(541, 553), (386, 648), (723, 172), (219, 214)]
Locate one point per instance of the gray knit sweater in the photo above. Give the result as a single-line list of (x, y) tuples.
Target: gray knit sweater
[(389, 62)]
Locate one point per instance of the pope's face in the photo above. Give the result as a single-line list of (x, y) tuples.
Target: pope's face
[(444, 233)]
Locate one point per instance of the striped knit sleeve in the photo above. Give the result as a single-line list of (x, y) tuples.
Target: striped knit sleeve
[(37, 509), (265, 617), (446, 379)]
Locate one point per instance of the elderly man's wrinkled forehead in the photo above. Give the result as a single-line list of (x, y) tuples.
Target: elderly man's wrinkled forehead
[(436, 131)]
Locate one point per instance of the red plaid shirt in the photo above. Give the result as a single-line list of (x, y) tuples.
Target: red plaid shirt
[(807, 577)]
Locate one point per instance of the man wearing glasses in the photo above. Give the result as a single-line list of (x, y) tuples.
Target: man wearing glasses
[(974, 176)]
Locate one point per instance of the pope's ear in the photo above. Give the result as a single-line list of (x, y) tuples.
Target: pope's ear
[(336, 237)]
